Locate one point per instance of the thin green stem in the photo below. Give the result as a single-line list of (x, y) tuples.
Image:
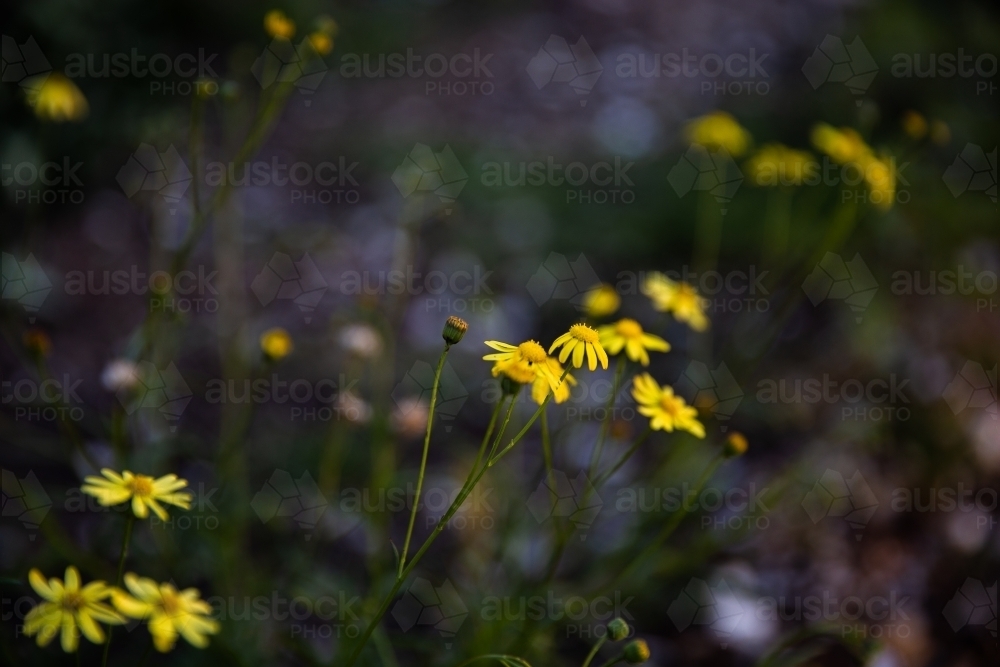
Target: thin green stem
[(595, 457), (593, 651), (604, 476), (118, 579), (617, 658), (423, 457)]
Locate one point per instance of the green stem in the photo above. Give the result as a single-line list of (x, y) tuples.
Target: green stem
[(604, 476), (617, 658), (423, 457), (593, 651), (495, 656), (118, 580), (595, 457)]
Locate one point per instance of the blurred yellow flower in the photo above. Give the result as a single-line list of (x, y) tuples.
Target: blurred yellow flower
[(843, 145), (276, 343), (914, 125), (58, 99), (580, 340), (601, 301), (146, 493), (718, 129), (169, 612), (541, 387), (880, 177), (666, 411), (736, 445), (680, 299), (69, 609), (627, 334), (321, 42), (777, 164), (276, 24), (522, 363)]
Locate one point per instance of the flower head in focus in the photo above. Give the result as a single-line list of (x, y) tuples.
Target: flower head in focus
[(276, 24), (69, 609), (276, 344), (601, 301), (541, 386), (666, 410), (168, 611), (145, 492), (680, 299), (718, 129), (627, 334), (522, 363), (581, 340), (777, 164), (58, 99)]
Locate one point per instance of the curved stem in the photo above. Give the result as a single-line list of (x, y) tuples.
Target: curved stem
[(423, 457), (118, 580), (593, 651), (617, 658)]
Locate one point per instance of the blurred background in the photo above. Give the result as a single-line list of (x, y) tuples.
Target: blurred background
[(179, 179)]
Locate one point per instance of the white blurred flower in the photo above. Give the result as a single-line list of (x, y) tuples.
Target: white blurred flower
[(410, 417), (361, 339), (120, 374), (354, 408)]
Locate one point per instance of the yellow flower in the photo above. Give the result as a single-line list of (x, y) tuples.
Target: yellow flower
[(69, 609), (880, 177), (719, 130), (843, 145), (628, 334), (276, 24), (666, 411), (145, 492), (914, 125), (777, 164), (601, 301), (58, 99), (321, 43), (680, 299), (581, 339), (522, 363), (541, 387), (169, 612), (276, 343)]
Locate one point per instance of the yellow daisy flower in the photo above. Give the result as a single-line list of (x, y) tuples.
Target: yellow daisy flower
[(276, 343), (718, 129), (680, 299), (627, 334), (276, 24), (581, 339), (666, 411), (169, 612), (777, 164), (58, 99), (601, 301), (146, 493), (541, 387), (69, 609), (522, 363)]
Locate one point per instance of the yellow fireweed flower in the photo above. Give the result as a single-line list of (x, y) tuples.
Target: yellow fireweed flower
[(69, 609), (58, 99), (580, 340), (777, 164), (601, 301), (541, 387), (146, 493), (666, 410), (680, 299), (843, 145), (169, 612), (276, 24), (627, 334), (522, 363), (718, 129), (276, 343)]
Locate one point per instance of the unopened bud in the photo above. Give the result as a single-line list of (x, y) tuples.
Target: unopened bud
[(618, 630), (636, 651), (454, 329), (736, 445)]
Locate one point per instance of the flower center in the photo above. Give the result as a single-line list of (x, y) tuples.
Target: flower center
[(141, 485), (584, 333), (72, 601), (532, 352), (670, 405), (629, 328)]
